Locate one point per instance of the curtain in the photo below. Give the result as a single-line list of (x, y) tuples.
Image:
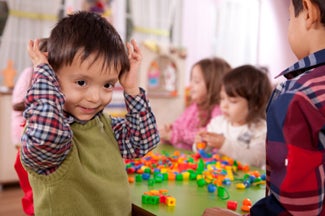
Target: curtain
[(153, 20), (28, 19), (237, 31)]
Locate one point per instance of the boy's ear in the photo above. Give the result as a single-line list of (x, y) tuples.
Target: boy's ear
[(311, 13)]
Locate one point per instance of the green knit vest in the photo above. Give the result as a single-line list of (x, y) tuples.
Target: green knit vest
[(92, 179)]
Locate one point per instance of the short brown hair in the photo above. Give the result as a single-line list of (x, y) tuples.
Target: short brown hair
[(91, 34), (298, 7), (252, 84)]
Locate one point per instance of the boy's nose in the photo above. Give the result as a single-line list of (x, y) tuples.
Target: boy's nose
[(93, 95)]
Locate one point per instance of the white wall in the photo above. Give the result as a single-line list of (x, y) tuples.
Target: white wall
[(274, 51), (198, 31)]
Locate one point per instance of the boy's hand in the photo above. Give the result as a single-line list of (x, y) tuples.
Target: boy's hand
[(129, 79), (215, 211), (35, 54)]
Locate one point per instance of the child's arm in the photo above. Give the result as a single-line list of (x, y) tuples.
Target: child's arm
[(137, 133), (184, 128), (249, 147), (165, 133), (47, 137), (129, 79)]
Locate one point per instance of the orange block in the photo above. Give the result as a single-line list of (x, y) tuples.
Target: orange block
[(245, 208), (131, 179), (201, 145), (171, 176)]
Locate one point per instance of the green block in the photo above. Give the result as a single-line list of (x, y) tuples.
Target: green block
[(151, 182), (179, 177), (200, 182), (193, 176), (147, 170), (154, 200), (145, 199), (138, 178)]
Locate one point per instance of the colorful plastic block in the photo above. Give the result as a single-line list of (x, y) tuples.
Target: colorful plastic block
[(145, 198), (212, 188), (200, 182), (145, 176), (245, 208), (232, 205), (247, 201), (138, 178), (154, 200), (170, 201)]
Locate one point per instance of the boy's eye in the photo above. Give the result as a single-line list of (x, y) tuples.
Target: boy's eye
[(108, 85), (81, 82)]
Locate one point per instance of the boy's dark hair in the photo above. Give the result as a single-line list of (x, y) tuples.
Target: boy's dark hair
[(213, 70), (252, 84), (88, 33), (298, 7)]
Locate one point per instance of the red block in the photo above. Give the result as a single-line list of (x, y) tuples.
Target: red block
[(232, 205)]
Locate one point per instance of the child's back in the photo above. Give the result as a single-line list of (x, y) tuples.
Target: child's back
[(295, 146)]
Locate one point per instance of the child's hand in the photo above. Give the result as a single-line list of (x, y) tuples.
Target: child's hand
[(166, 132), (213, 140), (129, 80), (199, 137), (215, 211), (35, 54)]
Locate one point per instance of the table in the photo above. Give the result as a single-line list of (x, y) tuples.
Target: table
[(190, 199)]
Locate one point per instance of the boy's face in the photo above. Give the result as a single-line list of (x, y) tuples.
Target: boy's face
[(296, 32), (86, 87)]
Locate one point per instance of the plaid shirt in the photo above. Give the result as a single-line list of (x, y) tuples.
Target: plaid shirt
[(47, 139), (296, 142)]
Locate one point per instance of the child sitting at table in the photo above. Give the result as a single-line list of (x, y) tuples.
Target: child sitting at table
[(205, 85), (240, 131)]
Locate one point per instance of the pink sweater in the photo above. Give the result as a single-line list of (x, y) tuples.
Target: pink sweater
[(186, 127), (18, 95)]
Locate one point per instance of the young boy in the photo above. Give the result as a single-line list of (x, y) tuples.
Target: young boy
[(73, 151), (296, 122)]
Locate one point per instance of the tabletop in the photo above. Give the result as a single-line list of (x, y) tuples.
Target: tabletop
[(190, 198)]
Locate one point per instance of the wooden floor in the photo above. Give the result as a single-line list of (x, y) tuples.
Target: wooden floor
[(10, 200)]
